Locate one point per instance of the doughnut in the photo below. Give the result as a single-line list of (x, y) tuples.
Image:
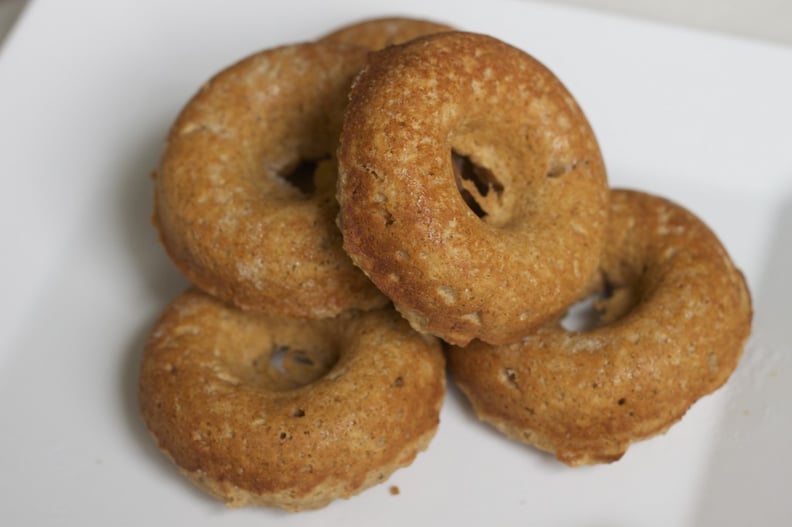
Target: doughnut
[(289, 413), (378, 33), (675, 316), (471, 187), (245, 191)]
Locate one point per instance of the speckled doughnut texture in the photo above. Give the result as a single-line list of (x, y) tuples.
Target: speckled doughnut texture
[(351, 400), (677, 318), (378, 33), (405, 223), (228, 219)]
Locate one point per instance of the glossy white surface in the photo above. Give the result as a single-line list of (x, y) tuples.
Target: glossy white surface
[(86, 96), (758, 19)]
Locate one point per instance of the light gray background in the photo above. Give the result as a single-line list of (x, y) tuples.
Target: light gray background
[(761, 19)]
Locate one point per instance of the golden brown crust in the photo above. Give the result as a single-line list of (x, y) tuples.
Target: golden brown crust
[(348, 401), (449, 272), (378, 33), (682, 313), (226, 216)]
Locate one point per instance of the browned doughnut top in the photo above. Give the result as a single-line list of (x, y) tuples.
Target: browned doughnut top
[(675, 321), (226, 215), (539, 178), (378, 33), (293, 414)]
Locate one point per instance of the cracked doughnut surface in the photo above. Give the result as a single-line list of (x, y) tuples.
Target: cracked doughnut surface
[(225, 208), (676, 314), (378, 33), (259, 410), (442, 122)]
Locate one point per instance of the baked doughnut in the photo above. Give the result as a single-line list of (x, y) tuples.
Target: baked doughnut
[(500, 246), (226, 213), (676, 314), (258, 410), (378, 33)]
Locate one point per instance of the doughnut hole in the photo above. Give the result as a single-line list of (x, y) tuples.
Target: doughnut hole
[(584, 315), (606, 305), (283, 360), (477, 185), (310, 175), (297, 367), (490, 172)]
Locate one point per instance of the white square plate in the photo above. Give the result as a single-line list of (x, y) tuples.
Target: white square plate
[(87, 92)]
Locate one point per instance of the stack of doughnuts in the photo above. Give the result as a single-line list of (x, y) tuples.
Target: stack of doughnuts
[(347, 207)]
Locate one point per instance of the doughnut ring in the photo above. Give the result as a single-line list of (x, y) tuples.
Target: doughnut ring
[(226, 214), (471, 186), (258, 410), (378, 33), (676, 315)]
